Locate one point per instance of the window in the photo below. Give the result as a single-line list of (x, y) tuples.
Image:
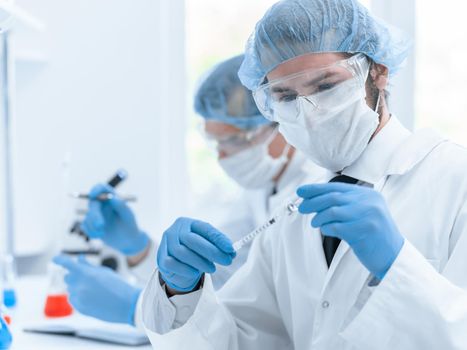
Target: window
[(216, 30), (441, 73)]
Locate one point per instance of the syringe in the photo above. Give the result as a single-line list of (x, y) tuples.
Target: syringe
[(103, 197), (288, 209)]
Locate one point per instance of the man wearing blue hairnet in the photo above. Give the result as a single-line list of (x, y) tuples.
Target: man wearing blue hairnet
[(376, 256), (250, 150)]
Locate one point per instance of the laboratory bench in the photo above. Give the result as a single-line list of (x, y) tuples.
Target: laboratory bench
[(29, 312)]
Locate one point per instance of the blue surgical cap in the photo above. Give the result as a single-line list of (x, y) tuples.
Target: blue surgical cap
[(293, 28), (222, 97)]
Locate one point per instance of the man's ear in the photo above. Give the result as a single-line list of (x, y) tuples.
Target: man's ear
[(380, 76)]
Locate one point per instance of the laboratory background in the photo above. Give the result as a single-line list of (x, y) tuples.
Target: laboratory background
[(93, 87)]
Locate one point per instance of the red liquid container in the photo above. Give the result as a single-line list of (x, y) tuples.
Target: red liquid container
[(57, 306), (56, 303)]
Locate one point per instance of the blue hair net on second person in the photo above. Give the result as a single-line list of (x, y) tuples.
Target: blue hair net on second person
[(222, 97), (292, 28)]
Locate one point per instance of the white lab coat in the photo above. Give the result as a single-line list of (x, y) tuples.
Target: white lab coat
[(285, 297), (252, 209)]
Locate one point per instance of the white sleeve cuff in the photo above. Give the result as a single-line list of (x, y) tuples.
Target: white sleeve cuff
[(157, 312), (160, 314)]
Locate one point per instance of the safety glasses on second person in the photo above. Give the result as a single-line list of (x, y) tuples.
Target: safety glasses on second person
[(235, 142), (318, 87)]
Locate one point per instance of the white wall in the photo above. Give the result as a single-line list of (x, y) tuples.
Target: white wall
[(106, 85), (401, 14)]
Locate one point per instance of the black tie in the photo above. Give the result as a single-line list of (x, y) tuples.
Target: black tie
[(330, 244)]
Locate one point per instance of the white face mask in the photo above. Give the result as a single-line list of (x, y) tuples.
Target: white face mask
[(254, 168), (336, 137)]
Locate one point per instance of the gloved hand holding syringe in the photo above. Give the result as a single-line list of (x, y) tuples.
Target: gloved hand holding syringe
[(111, 220), (120, 176), (190, 248), (287, 209)]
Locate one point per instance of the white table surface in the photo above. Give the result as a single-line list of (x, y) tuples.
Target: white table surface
[(32, 293)]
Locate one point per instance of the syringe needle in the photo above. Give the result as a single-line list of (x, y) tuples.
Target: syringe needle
[(290, 208)]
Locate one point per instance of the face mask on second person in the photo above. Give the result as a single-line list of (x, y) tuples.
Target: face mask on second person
[(323, 112), (254, 167)]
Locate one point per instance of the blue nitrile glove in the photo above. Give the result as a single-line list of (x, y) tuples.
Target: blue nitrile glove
[(357, 215), (113, 222), (190, 248), (98, 291)]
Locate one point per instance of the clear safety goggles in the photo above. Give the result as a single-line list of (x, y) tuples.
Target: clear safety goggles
[(235, 142), (319, 87)]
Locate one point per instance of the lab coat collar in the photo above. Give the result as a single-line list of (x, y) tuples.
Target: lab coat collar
[(393, 151), (375, 161)]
